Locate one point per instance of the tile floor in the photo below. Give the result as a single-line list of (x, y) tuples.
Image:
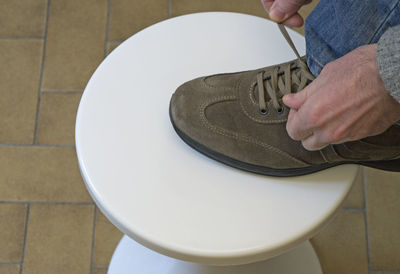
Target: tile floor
[(48, 222)]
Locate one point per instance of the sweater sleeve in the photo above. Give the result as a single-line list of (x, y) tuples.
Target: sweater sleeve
[(388, 59)]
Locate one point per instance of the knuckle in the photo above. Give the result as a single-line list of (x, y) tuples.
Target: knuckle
[(338, 134), (307, 145), (290, 131), (315, 118), (357, 75)]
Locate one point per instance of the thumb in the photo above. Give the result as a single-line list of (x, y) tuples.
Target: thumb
[(283, 9), (296, 100)]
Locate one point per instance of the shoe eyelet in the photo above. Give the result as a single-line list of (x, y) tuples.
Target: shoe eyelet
[(264, 111), (281, 110)]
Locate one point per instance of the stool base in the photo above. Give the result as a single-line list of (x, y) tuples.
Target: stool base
[(131, 258)]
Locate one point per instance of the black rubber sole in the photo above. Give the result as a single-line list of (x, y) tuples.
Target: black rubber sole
[(392, 165)]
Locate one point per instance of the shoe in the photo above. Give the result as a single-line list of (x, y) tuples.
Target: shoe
[(239, 119)]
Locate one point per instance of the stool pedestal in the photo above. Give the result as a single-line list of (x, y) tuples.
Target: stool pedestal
[(131, 257)]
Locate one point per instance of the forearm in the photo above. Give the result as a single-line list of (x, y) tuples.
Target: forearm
[(388, 59)]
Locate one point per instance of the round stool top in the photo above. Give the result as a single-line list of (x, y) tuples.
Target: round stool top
[(158, 190)]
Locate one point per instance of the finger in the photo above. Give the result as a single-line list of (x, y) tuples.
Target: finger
[(296, 100), (294, 21), (281, 9), (314, 142), (295, 129), (267, 4), (318, 139)]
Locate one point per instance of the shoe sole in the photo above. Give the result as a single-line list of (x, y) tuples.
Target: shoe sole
[(391, 165)]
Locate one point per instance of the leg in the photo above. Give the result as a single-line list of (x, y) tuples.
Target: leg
[(337, 27)]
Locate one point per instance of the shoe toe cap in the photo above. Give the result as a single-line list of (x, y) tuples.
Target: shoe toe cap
[(190, 99)]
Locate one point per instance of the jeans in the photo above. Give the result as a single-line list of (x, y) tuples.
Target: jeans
[(336, 27)]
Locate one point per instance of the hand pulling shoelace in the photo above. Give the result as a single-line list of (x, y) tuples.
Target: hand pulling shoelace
[(278, 85)]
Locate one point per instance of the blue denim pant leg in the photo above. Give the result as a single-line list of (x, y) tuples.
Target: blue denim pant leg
[(336, 27)]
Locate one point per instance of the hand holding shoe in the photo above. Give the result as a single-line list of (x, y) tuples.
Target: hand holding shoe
[(346, 102), (285, 11)]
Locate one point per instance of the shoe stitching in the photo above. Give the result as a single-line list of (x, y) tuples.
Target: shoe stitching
[(390, 148), (253, 117), (366, 155), (205, 84), (361, 157), (252, 99), (327, 156), (236, 136), (323, 156)]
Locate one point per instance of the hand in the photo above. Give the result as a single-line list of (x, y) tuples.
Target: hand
[(285, 11), (346, 102)]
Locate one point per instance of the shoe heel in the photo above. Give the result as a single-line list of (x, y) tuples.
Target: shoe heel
[(392, 165)]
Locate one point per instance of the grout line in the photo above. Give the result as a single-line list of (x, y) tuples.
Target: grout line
[(21, 38), (46, 203), (37, 112), (107, 28), (28, 211), (93, 239), (62, 91), (366, 218), (10, 263), (36, 145), (169, 9), (41, 72)]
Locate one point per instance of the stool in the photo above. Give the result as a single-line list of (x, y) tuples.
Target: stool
[(185, 212)]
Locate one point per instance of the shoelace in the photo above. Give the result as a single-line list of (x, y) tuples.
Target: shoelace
[(277, 85)]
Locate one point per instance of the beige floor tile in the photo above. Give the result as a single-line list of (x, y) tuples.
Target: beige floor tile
[(22, 18), (57, 118), (106, 239), (9, 269), (383, 209), (304, 12), (111, 46), (40, 174), (254, 7), (59, 239), (19, 77), (75, 43), (98, 271), (384, 272), (355, 199), (12, 232), (180, 7), (130, 16), (341, 245)]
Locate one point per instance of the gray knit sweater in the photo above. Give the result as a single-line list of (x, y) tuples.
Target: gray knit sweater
[(388, 59)]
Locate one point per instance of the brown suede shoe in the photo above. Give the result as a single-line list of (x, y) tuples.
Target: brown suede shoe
[(239, 119)]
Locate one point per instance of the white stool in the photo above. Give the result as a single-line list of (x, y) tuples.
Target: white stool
[(170, 198)]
